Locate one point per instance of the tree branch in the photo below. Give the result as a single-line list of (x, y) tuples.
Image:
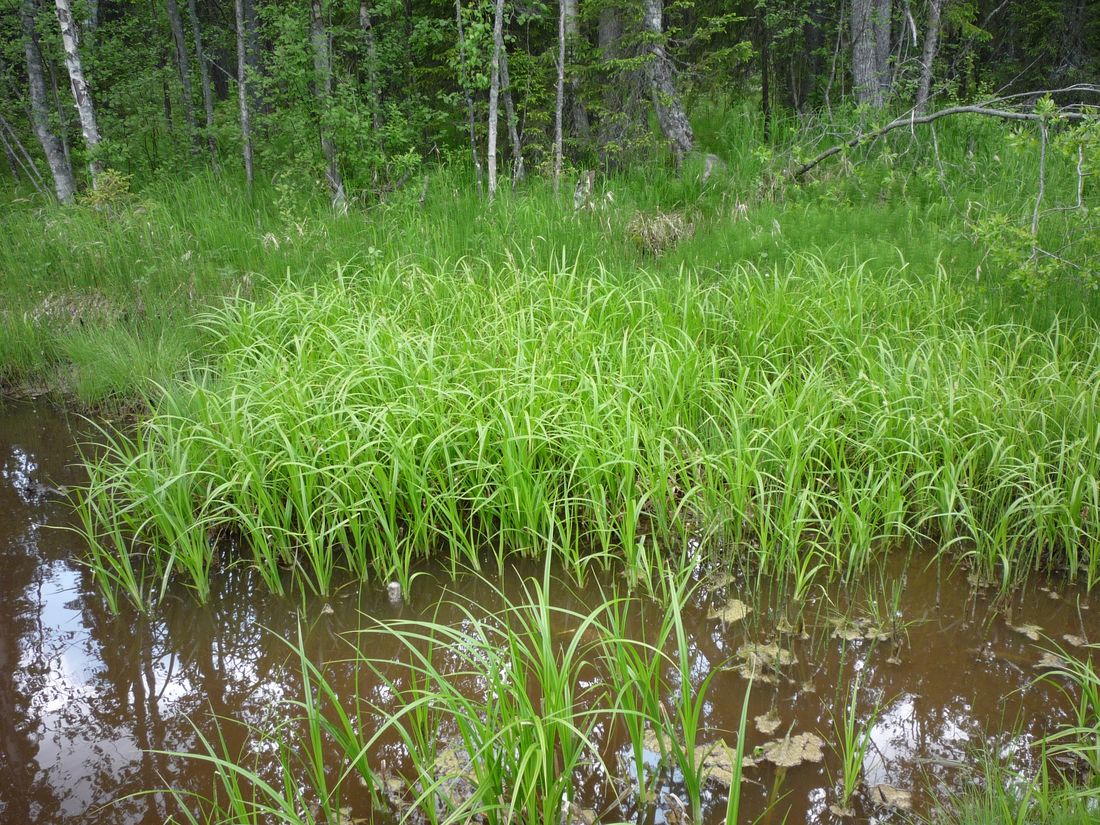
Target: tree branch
[(914, 120)]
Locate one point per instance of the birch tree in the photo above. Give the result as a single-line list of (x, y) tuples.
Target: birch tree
[(60, 169), (559, 97), (494, 95), (666, 102), (82, 95), (242, 92), (322, 79), (204, 81)]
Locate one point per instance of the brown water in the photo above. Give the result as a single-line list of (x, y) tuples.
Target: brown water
[(87, 698)]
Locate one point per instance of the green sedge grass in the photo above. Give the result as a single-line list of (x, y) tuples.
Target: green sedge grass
[(807, 418)]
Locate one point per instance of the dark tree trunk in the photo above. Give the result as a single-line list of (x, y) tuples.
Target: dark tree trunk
[(928, 56), (464, 78), (183, 67), (577, 112), (322, 79), (242, 91), (204, 80), (864, 61), (666, 101), (373, 91)]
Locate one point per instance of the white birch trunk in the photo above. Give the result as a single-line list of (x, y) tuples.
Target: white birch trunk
[(494, 95), (559, 97), (242, 92), (82, 94), (60, 169)]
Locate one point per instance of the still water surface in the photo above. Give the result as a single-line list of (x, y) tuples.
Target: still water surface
[(87, 699)]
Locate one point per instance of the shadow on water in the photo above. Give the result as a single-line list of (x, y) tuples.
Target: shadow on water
[(87, 698)]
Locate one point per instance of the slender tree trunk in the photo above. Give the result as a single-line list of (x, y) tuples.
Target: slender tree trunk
[(82, 94), (204, 80), (670, 111), (19, 159), (183, 67), (62, 114), (9, 151), (510, 116), (494, 95), (765, 76), (372, 63), (60, 169), (559, 97), (322, 79), (242, 92), (470, 119), (864, 60), (577, 111), (883, 26), (928, 58)]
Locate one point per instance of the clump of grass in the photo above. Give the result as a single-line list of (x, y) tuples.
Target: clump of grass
[(653, 234), (804, 418)]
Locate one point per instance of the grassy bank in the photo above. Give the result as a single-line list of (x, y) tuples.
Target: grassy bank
[(96, 302)]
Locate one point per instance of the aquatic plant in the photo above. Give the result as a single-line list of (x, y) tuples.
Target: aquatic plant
[(806, 418)]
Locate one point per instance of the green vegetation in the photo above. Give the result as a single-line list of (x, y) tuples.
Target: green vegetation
[(504, 716)]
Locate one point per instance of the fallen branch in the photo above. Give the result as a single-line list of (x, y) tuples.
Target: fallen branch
[(915, 120)]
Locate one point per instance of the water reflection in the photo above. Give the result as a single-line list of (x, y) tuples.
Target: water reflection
[(87, 699)]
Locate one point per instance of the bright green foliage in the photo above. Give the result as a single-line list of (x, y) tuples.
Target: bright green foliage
[(783, 415)]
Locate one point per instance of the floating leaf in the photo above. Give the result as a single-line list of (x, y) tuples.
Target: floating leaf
[(793, 750), (887, 796), (767, 723), (732, 611), (861, 629), (760, 662), (716, 759), (843, 813), (1032, 631), (1076, 641), (1050, 661)]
